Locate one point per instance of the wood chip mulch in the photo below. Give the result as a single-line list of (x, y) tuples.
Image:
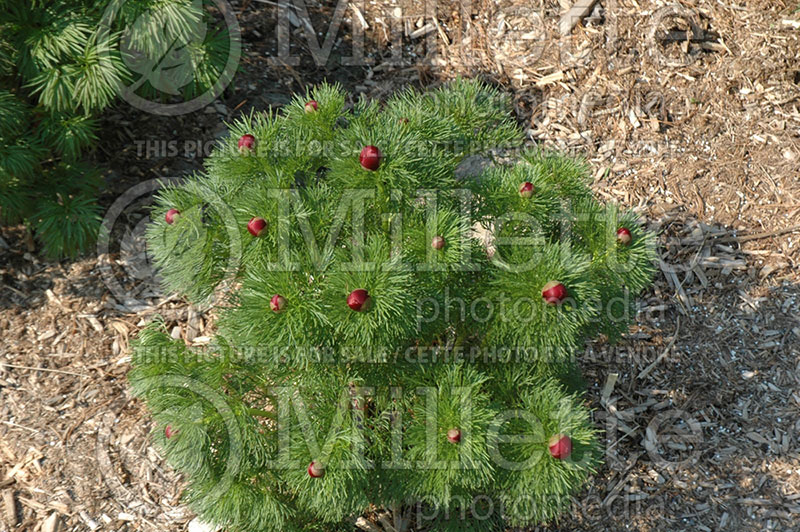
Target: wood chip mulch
[(689, 113)]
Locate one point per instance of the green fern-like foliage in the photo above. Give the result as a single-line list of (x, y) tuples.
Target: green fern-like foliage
[(63, 62), (457, 337)]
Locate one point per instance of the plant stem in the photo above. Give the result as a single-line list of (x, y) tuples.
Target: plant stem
[(400, 524)]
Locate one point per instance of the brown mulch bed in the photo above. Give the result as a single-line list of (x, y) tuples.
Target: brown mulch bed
[(699, 402)]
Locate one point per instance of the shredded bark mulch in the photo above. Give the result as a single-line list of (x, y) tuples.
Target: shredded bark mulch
[(690, 115)]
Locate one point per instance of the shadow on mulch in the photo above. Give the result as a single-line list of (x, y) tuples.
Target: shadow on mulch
[(714, 347)]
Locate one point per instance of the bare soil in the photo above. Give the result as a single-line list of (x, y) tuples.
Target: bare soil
[(700, 134)]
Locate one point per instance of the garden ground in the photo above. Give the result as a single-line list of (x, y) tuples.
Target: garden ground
[(699, 403)]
